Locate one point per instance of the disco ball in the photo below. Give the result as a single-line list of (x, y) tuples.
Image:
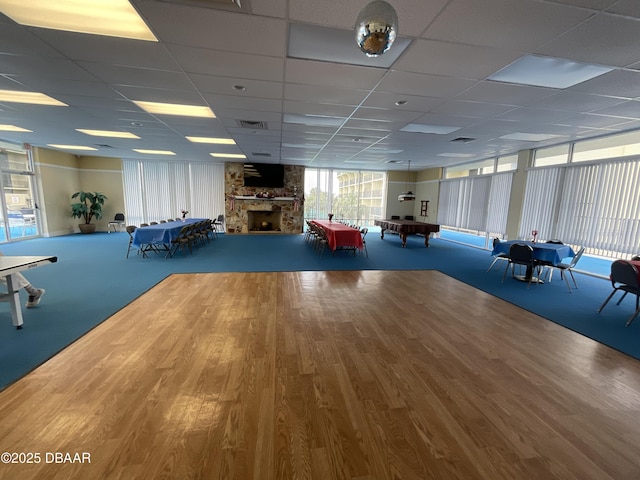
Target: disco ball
[(376, 28)]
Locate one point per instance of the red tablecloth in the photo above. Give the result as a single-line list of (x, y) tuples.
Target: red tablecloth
[(341, 235)]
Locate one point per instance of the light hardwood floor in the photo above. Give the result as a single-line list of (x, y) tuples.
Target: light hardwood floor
[(321, 375)]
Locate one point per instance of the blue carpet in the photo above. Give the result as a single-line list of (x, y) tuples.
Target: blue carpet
[(93, 279)]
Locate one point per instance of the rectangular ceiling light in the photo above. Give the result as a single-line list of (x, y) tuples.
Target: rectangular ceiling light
[(529, 137), (456, 155), (548, 72), (34, 98), (113, 18), (107, 133), (228, 155), (175, 109), (13, 128), (313, 120), (436, 129), (220, 141), (154, 152), (71, 147)]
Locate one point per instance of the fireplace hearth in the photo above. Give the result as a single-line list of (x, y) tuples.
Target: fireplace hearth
[(264, 221)]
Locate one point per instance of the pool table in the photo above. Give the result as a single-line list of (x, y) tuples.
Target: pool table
[(407, 227)]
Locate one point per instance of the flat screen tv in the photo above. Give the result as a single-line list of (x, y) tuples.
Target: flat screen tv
[(263, 175)]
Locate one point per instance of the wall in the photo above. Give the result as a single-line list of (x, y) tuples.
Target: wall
[(428, 188), (400, 182), (61, 174)]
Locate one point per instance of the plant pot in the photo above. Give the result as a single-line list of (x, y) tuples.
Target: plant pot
[(87, 227)]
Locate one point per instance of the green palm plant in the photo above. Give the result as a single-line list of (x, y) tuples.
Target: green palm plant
[(89, 205)]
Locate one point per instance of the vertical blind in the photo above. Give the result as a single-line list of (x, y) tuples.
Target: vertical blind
[(475, 203), (595, 205), (157, 191)]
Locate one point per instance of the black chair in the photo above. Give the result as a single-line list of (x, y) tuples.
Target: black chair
[(566, 267), (624, 277), (497, 256), (408, 217), (363, 232), (219, 222), (522, 254), (117, 223), (395, 217), (130, 229)]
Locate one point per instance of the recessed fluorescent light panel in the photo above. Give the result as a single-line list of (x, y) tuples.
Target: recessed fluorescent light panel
[(219, 141), (13, 128), (529, 137), (548, 72), (107, 133), (315, 120), (456, 155), (175, 109), (435, 129), (29, 97), (154, 152), (71, 147), (113, 18), (228, 155), (336, 45)]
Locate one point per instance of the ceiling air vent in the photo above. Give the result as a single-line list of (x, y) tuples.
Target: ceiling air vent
[(102, 145), (252, 125), (260, 154), (463, 140)]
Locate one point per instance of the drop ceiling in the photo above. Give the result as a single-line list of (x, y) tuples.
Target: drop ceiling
[(287, 82)]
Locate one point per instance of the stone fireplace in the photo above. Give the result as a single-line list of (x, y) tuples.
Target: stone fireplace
[(247, 207), (264, 221)]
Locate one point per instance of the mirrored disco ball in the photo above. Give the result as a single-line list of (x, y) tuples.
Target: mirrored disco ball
[(376, 28)]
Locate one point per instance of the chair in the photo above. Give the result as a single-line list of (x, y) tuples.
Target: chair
[(395, 217), (409, 217), (566, 267), (624, 277), (522, 254), (219, 222), (498, 256), (130, 229), (363, 232), (117, 223)]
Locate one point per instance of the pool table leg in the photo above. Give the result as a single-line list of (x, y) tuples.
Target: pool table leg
[(426, 239), (403, 237)]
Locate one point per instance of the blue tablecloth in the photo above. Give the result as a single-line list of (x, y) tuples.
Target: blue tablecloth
[(547, 252), (162, 233)]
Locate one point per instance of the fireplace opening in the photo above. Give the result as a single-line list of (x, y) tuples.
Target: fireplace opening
[(264, 221)]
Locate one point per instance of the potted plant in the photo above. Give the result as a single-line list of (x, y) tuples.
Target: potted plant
[(89, 205)]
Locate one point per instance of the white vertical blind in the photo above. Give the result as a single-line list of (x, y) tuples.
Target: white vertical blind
[(464, 202), (541, 200), (596, 205), (498, 207), (156, 191)]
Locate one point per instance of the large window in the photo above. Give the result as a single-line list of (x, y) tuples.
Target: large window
[(476, 204), (18, 212), (595, 205), (355, 197), (156, 191)]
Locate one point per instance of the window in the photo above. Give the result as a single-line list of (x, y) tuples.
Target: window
[(556, 155), (613, 146), (159, 190), (352, 196)]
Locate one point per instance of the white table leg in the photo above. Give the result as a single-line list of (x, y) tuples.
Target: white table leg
[(14, 302)]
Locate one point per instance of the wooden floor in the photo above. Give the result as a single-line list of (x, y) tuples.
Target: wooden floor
[(326, 375)]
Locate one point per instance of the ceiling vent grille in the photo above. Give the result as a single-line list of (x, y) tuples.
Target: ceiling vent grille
[(260, 154), (252, 125)]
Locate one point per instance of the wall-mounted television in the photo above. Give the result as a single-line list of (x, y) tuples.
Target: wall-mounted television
[(264, 175)]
